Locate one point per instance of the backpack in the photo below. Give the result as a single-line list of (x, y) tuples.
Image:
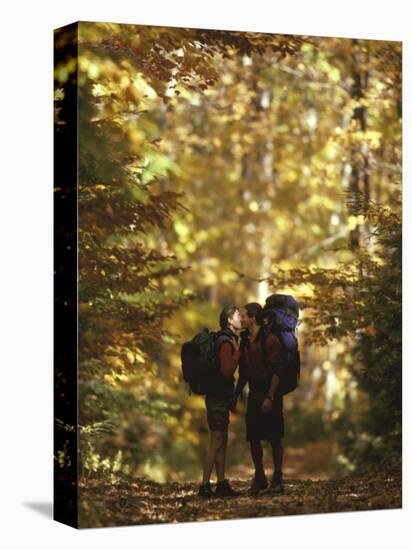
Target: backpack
[(200, 359), (282, 313)]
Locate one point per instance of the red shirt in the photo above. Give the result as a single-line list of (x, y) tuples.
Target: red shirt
[(229, 359), (257, 369)]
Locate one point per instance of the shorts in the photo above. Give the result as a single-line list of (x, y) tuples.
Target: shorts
[(270, 426), (217, 412)]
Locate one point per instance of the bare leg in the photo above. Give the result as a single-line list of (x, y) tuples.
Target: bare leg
[(216, 442), (277, 455), (220, 458), (257, 455)]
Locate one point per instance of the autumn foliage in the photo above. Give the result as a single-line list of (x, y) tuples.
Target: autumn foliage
[(221, 166)]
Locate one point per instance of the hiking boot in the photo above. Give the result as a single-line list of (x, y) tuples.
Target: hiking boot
[(205, 490), (258, 484), (276, 485), (223, 489)]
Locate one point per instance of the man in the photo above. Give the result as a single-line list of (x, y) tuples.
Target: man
[(260, 366), (218, 400)]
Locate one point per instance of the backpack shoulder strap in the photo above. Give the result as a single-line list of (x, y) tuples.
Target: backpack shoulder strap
[(263, 335), (220, 338)]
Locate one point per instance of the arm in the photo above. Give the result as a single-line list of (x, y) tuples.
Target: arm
[(229, 359), (274, 383), (274, 362), (241, 381), (240, 384), (267, 402), (274, 357)]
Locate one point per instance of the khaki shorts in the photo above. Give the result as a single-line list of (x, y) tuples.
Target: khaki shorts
[(217, 412)]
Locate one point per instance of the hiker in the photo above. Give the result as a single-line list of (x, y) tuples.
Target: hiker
[(218, 399), (260, 367)]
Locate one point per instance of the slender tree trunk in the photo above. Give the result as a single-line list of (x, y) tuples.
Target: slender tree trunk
[(359, 178)]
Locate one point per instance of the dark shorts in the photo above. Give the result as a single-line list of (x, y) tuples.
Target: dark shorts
[(217, 412), (270, 426)]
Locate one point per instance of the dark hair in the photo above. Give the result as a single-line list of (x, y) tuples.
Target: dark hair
[(255, 310), (226, 313)]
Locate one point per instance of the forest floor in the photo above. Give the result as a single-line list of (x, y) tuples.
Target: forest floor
[(141, 501)]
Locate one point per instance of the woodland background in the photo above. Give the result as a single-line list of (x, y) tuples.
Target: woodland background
[(218, 167)]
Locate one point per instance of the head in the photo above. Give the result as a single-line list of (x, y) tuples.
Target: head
[(243, 317), (254, 315), (230, 317)]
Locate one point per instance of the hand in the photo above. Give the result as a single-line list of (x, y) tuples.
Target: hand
[(266, 406), (235, 344), (233, 404)]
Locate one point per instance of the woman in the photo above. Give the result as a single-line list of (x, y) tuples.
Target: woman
[(218, 400), (260, 366)]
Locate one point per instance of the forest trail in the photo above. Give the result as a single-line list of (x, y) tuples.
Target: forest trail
[(146, 502)]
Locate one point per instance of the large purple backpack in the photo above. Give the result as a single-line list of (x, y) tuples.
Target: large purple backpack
[(282, 314)]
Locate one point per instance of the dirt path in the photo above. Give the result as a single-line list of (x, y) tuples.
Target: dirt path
[(145, 502)]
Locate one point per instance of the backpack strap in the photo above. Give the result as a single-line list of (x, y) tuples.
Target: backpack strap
[(263, 335), (221, 337)]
